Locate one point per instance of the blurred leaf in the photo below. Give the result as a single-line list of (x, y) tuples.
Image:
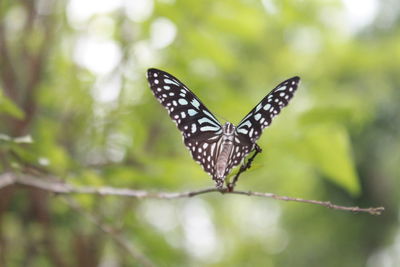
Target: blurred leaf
[(27, 139), (4, 137), (8, 107), (331, 151)]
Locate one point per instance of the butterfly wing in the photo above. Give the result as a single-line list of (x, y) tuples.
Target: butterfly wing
[(250, 128), (200, 129)]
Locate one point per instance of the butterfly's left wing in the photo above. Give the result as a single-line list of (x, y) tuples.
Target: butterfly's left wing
[(252, 125), (200, 129)]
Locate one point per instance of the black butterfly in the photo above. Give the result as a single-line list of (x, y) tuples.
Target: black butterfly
[(218, 148)]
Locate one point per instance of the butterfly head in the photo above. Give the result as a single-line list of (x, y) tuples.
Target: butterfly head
[(228, 131)]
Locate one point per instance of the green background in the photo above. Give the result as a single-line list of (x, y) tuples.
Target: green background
[(75, 106)]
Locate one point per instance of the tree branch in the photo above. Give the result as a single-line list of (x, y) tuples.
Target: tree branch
[(53, 186)]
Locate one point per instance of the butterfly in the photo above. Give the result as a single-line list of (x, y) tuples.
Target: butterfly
[(218, 148)]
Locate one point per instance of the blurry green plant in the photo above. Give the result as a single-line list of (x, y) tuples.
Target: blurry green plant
[(72, 75)]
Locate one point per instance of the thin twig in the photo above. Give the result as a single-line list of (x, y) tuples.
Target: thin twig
[(63, 188), (243, 168), (328, 204)]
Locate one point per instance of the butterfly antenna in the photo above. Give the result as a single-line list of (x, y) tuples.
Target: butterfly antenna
[(220, 117)]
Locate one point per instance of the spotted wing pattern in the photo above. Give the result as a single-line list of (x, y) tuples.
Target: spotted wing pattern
[(250, 128), (201, 131)]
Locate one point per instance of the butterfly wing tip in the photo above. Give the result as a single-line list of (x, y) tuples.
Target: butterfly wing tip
[(152, 72), (296, 79)]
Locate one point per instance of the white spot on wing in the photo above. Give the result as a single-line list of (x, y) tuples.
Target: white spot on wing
[(211, 116), (193, 129), (195, 103), (170, 82), (242, 130), (246, 123), (182, 101), (208, 128), (267, 106), (192, 112), (212, 150), (205, 119)]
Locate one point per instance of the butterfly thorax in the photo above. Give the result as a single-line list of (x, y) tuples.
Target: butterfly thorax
[(225, 150)]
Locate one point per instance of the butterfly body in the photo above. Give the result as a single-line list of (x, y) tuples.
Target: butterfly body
[(218, 148), (225, 151)]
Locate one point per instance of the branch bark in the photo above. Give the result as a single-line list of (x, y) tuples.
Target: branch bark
[(49, 184)]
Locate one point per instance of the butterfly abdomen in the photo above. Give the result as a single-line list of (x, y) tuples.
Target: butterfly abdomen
[(225, 150), (222, 160)]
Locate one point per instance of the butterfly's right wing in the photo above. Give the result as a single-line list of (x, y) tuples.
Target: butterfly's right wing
[(200, 129), (252, 125)]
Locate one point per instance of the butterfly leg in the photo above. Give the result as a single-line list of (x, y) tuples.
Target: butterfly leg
[(244, 167)]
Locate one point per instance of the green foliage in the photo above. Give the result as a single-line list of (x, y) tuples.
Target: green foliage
[(9, 108), (76, 107), (330, 149)]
